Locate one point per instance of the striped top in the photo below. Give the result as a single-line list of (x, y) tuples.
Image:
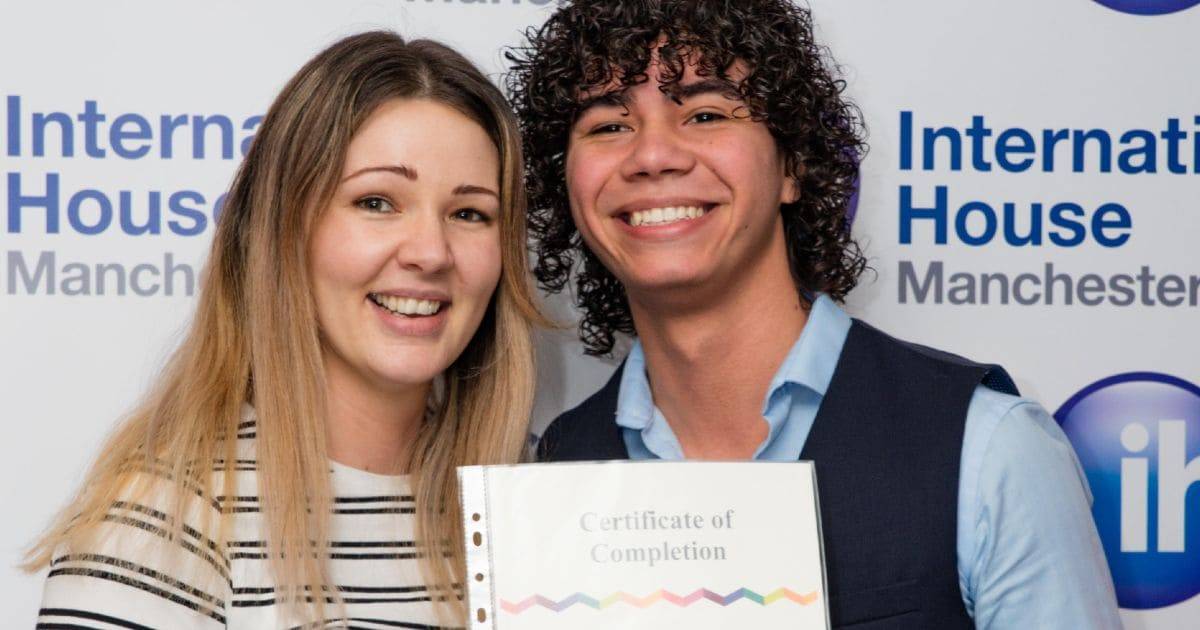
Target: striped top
[(134, 578)]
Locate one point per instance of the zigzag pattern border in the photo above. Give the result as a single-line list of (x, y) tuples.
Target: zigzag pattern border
[(683, 601)]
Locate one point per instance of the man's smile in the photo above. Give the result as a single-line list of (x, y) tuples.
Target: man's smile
[(664, 216)]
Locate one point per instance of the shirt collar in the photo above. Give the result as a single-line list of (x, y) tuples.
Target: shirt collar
[(812, 359), (635, 403), (809, 363)]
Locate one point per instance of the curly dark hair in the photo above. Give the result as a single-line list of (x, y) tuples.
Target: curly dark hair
[(792, 87)]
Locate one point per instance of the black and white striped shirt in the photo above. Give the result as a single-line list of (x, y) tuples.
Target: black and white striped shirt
[(133, 578)]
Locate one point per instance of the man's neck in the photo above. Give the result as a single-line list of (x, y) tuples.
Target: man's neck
[(709, 369)]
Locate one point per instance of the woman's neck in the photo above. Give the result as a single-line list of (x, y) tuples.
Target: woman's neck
[(369, 428)]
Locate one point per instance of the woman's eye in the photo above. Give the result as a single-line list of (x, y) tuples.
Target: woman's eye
[(375, 204), (471, 215), (706, 117)]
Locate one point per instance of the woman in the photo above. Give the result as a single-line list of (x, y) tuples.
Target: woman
[(372, 245)]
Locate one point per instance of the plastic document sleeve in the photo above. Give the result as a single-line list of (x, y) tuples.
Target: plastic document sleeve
[(643, 545)]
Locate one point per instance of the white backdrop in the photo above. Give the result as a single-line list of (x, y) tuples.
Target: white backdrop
[(76, 356)]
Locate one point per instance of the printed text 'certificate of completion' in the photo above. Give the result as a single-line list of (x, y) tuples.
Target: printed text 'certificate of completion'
[(641, 545)]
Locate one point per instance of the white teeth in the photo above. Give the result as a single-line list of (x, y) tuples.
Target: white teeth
[(663, 216), (406, 306)]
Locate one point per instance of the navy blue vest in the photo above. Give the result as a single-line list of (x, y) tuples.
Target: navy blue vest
[(886, 445)]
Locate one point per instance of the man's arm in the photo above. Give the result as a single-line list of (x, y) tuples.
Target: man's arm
[(1028, 552)]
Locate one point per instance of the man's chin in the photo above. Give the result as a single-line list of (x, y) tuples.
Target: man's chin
[(673, 286)]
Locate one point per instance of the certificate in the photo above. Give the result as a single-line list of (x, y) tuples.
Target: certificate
[(643, 545)]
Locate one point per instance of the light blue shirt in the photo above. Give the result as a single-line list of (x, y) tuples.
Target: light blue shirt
[(1028, 552)]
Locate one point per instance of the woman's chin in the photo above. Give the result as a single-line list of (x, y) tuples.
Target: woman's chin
[(406, 376)]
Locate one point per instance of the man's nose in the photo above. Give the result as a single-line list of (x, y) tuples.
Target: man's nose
[(657, 152)]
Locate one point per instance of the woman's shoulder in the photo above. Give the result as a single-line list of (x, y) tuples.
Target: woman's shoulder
[(157, 547), (244, 466), (153, 558), (158, 505)]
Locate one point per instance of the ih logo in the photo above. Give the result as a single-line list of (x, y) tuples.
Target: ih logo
[(1148, 7), (852, 205), (1138, 438)]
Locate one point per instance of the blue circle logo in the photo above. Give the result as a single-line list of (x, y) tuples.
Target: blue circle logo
[(852, 205), (1138, 438), (1148, 7)]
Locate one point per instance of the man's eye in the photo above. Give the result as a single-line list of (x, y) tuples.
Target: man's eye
[(375, 204), (607, 128), (707, 117)]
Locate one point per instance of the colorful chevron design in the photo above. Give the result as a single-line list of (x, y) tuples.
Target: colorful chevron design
[(516, 608)]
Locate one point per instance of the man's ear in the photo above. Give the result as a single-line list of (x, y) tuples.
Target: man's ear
[(789, 190)]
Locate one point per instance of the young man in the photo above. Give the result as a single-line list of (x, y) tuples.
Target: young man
[(690, 162)]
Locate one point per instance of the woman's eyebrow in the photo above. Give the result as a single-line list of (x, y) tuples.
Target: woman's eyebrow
[(409, 173), (406, 172), (472, 189)]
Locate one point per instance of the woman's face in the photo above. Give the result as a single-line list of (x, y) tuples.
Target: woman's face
[(405, 258)]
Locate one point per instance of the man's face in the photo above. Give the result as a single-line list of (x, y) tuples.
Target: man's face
[(677, 193)]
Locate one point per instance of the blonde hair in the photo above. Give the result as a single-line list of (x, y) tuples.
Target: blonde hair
[(254, 336)]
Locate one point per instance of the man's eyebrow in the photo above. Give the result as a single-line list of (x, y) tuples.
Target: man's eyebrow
[(406, 172), (683, 92), (611, 98), (677, 92)]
